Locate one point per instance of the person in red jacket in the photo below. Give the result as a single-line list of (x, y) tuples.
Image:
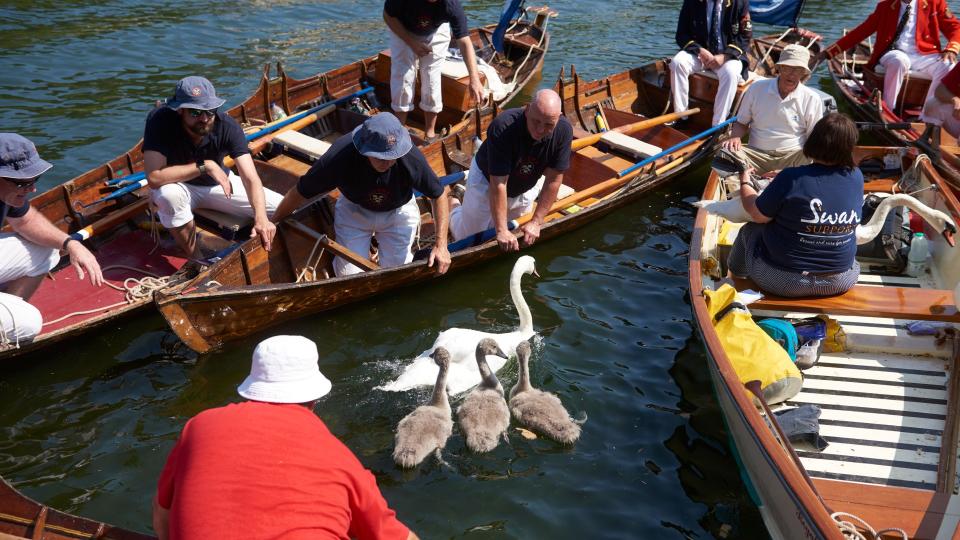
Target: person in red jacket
[(268, 467), (908, 39)]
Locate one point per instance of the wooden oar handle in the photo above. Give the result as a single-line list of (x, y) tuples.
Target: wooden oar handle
[(589, 140)]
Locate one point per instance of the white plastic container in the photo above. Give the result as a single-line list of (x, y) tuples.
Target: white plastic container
[(917, 257)]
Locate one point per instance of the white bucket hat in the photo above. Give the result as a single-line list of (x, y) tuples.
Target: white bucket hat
[(285, 370), (795, 55)]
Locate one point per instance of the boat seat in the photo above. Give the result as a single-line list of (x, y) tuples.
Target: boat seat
[(223, 224), (630, 145), (866, 301), (309, 146)]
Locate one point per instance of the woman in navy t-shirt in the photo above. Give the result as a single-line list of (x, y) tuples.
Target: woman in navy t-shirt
[(803, 241)]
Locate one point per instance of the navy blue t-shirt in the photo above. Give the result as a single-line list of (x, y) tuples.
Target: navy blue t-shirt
[(165, 134), (9, 211), (422, 18), (815, 211), (343, 167), (510, 150)]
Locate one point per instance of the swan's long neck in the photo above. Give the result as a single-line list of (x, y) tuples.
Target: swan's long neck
[(866, 233), (439, 398), (489, 378), (523, 310), (523, 382)]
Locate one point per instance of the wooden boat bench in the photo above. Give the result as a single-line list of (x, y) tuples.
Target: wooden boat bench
[(909, 303)]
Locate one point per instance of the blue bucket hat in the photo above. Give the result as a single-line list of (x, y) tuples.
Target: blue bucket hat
[(195, 93), (19, 158), (383, 137)]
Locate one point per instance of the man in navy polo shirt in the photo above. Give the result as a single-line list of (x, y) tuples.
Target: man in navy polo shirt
[(419, 39), (33, 249), (184, 145), (376, 168), (505, 177)]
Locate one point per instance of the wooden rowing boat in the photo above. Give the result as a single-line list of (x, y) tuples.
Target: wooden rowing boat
[(121, 228), (22, 518), (889, 403), (252, 290), (645, 90), (861, 87)]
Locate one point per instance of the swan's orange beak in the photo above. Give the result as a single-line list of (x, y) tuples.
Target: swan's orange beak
[(948, 233)]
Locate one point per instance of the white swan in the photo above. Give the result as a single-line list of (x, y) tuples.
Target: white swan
[(732, 210), (483, 416), (462, 345), (428, 427)]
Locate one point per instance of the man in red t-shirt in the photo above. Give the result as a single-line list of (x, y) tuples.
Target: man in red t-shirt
[(269, 467), (943, 108)]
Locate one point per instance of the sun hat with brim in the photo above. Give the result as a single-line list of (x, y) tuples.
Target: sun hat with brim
[(195, 93), (382, 136), (796, 56), (19, 158), (285, 370)]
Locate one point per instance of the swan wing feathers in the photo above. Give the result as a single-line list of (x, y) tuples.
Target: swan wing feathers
[(544, 413), (483, 418), (420, 433), (729, 209)]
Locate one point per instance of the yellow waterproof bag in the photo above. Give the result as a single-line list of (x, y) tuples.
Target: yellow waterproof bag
[(754, 354)]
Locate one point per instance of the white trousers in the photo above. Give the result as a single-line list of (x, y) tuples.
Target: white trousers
[(19, 320), (684, 64), (404, 65), (941, 114), (175, 202), (356, 226), (898, 64), (473, 215)]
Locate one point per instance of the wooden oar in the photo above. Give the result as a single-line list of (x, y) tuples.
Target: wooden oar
[(589, 140), (596, 189)]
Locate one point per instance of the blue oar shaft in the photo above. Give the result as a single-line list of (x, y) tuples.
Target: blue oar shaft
[(677, 146), (452, 178)]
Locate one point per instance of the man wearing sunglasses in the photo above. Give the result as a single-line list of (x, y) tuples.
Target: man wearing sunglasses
[(33, 248), (184, 144)]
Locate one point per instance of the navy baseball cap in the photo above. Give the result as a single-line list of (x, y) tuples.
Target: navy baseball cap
[(19, 158), (195, 93), (382, 136)]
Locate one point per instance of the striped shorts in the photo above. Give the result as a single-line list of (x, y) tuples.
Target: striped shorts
[(745, 260)]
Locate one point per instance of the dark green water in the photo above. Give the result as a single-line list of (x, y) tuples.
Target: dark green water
[(86, 426)]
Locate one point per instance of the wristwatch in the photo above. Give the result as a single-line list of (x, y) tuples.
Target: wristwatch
[(201, 167), (66, 241)]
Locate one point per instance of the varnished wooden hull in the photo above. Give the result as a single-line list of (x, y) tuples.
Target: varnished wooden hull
[(22, 517), (790, 507), (63, 205)]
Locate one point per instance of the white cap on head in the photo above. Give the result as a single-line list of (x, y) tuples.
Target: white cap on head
[(285, 370)]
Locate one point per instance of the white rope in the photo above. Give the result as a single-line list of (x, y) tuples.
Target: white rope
[(513, 83), (850, 526), (774, 44), (134, 289), (312, 268)]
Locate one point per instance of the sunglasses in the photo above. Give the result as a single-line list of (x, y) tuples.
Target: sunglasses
[(23, 184), (197, 113)]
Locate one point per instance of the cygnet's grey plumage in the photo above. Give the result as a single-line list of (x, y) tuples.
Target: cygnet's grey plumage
[(428, 427), (537, 410), (483, 415)]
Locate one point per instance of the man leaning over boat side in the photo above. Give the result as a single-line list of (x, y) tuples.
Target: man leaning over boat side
[(184, 144), (908, 39), (419, 39), (713, 35), (34, 246), (778, 114), (943, 107), (269, 467), (521, 161), (376, 168)]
